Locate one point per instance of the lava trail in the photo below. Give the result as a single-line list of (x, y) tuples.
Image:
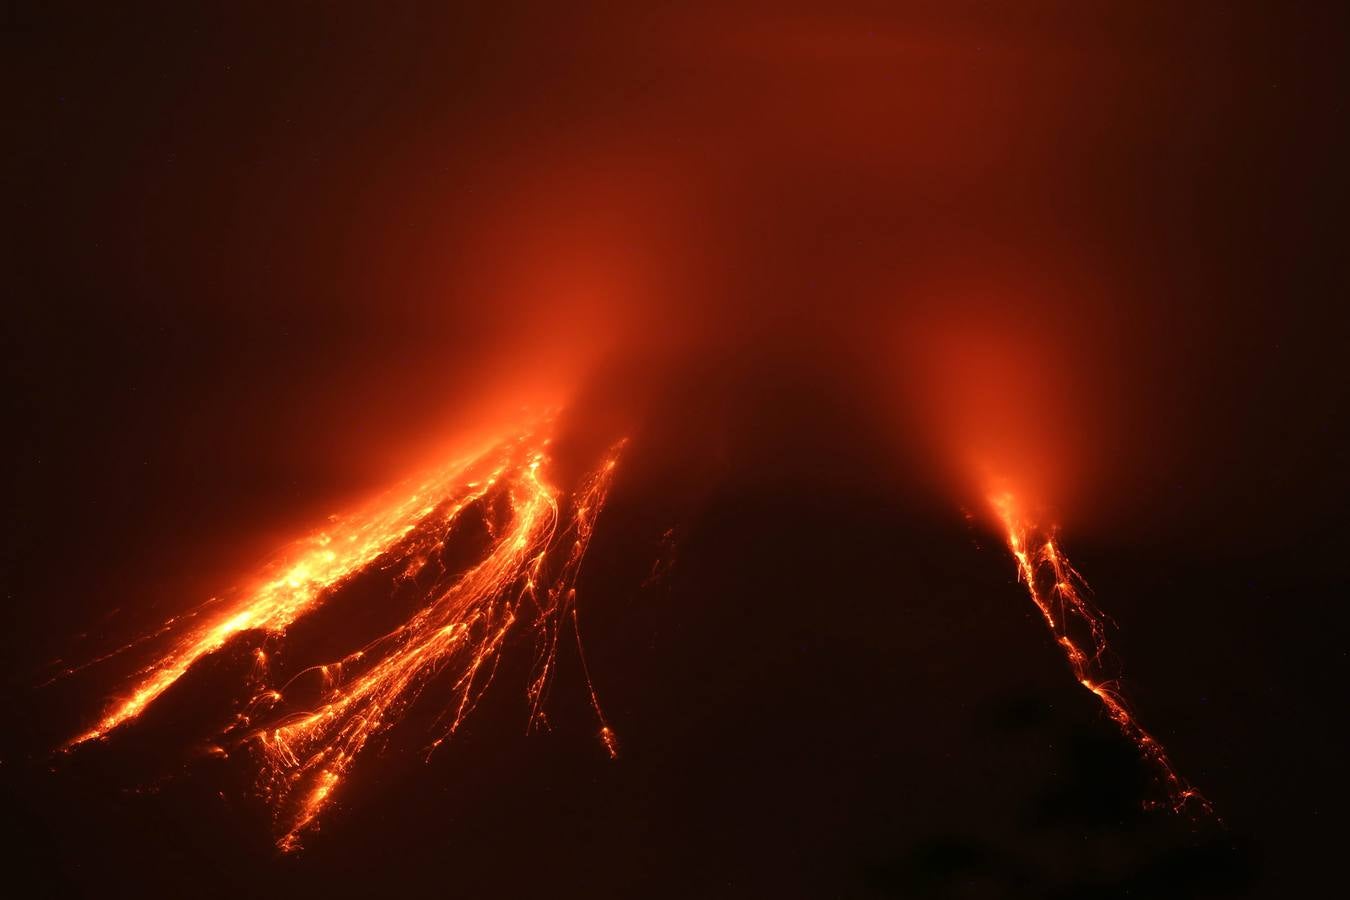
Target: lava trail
[(457, 636), (300, 584), (523, 579), (1079, 628)]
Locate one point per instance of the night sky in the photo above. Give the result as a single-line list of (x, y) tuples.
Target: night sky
[(828, 267)]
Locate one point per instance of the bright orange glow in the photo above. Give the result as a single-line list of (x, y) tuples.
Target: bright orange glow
[(1059, 593), (457, 636), (313, 566), (525, 577)]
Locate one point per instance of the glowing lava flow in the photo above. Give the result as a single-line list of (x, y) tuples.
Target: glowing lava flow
[(457, 635), (319, 563), (524, 578), (1080, 630)]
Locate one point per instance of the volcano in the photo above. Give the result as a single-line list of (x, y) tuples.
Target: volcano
[(664, 450)]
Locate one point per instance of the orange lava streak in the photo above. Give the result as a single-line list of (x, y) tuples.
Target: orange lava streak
[(319, 563), (457, 634), (1079, 628), (525, 577)]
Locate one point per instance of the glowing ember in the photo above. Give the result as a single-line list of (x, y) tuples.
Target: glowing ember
[(1080, 630), (526, 577)]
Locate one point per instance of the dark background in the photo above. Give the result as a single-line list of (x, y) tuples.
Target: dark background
[(265, 260)]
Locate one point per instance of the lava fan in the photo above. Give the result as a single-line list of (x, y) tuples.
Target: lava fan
[(305, 733)]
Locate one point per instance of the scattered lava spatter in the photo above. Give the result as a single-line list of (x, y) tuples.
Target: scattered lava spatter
[(524, 579), (1058, 592)]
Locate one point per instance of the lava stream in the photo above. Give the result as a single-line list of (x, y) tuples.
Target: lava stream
[(1058, 592), (319, 563), (457, 635), (524, 579)]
